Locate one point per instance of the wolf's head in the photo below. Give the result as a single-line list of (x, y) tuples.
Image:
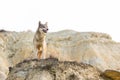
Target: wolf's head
[(42, 27)]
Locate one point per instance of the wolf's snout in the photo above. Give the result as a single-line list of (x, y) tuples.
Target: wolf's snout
[(45, 30)]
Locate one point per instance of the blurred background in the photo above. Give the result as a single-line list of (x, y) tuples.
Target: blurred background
[(80, 15)]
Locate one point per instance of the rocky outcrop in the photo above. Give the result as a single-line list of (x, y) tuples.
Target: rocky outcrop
[(52, 69), (96, 49)]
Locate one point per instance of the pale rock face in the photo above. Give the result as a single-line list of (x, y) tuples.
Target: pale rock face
[(3, 60), (3, 65), (14, 48), (96, 49)]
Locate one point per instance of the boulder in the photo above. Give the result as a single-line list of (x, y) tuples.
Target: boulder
[(111, 74)]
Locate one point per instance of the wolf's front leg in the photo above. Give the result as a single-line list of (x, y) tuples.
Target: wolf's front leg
[(44, 50), (39, 54)]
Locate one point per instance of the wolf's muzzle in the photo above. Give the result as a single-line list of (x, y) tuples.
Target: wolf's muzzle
[(45, 31)]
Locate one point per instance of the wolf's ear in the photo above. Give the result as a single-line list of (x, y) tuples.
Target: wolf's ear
[(46, 23), (39, 23)]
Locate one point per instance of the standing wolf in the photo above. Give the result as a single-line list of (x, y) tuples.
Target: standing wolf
[(39, 40)]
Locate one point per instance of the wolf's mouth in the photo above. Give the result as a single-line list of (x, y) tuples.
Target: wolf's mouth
[(45, 31)]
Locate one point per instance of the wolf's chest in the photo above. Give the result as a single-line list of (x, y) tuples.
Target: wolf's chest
[(39, 37)]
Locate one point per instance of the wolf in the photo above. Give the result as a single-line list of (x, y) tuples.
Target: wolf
[(39, 40)]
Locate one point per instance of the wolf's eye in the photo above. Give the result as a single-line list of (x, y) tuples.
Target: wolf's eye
[(42, 26)]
